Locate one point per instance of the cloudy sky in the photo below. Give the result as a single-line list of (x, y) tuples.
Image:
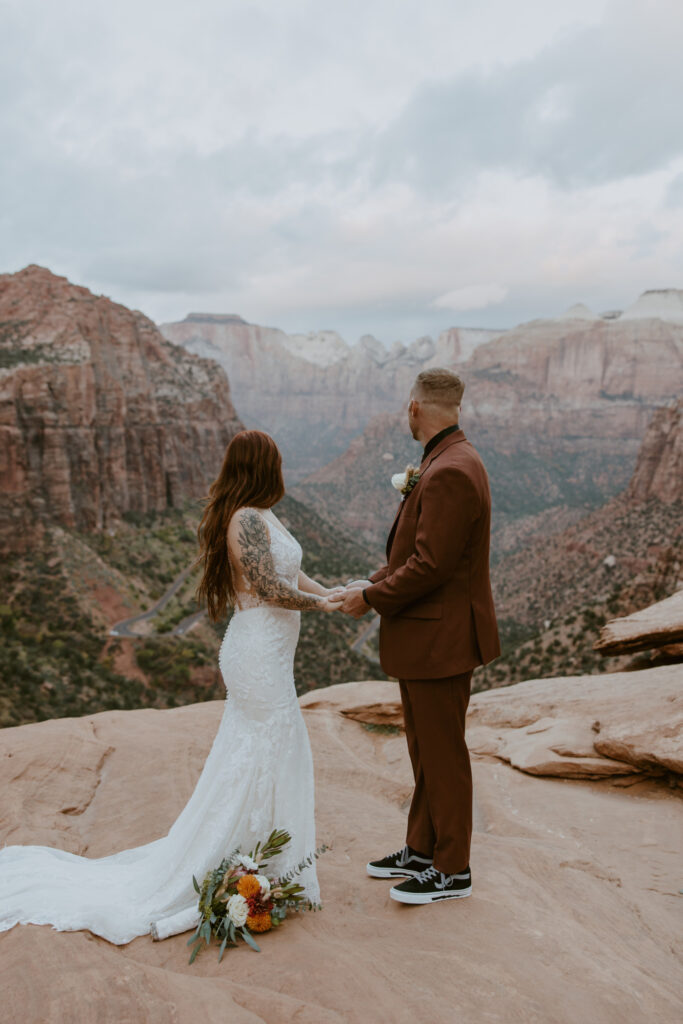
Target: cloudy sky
[(385, 166)]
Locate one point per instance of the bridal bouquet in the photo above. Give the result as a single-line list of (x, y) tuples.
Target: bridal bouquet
[(238, 898)]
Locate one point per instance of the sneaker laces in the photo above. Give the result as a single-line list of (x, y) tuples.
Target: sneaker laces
[(429, 874)]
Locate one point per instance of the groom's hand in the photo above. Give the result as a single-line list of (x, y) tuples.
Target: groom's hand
[(354, 604)]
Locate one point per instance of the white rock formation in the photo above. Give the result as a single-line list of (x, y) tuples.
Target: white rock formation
[(579, 312), (660, 304), (324, 348)]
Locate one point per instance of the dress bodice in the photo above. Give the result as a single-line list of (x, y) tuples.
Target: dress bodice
[(286, 553)]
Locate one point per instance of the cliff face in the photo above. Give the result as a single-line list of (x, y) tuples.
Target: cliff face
[(659, 470), (557, 408), (554, 388), (582, 360), (574, 378), (99, 414), (314, 393)]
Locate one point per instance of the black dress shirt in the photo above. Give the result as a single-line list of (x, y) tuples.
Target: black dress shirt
[(433, 441)]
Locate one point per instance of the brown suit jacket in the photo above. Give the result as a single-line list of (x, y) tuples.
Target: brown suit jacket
[(434, 595)]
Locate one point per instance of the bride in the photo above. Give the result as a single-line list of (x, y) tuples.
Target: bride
[(259, 773)]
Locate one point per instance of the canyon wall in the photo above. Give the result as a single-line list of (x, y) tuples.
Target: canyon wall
[(659, 470), (557, 408), (314, 393), (99, 414)]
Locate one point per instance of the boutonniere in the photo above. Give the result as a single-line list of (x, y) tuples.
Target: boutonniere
[(404, 482)]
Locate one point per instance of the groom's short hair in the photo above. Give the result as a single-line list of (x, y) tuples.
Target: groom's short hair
[(439, 386)]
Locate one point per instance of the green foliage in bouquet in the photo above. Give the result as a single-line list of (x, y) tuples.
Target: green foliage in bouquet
[(238, 898)]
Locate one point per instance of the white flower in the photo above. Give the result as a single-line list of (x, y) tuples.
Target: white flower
[(404, 482), (238, 909), (247, 863), (265, 886)]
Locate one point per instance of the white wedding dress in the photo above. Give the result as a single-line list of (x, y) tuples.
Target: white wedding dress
[(258, 776)]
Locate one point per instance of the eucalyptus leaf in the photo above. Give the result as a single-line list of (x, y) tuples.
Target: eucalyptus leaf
[(248, 939)]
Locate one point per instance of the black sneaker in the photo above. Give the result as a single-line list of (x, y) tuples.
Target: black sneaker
[(431, 886), (399, 865)]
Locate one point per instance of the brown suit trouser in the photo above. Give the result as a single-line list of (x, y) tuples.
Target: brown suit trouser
[(440, 816)]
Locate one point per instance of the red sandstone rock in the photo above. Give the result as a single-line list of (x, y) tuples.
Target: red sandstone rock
[(659, 471), (573, 915), (99, 414), (658, 625)]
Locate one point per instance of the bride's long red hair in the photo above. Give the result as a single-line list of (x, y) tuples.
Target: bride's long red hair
[(251, 474)]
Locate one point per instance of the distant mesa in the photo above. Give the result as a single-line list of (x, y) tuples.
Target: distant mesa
[(214, 318), (657, 304), (579, 312)]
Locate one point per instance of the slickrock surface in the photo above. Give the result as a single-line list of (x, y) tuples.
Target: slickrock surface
[(621, 723), (658, 625), (575, 913), (99, 414)]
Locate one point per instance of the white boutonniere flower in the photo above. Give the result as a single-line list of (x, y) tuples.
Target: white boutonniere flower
[(404, 482)]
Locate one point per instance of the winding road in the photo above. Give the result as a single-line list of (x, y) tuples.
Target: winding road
[(124, 627)]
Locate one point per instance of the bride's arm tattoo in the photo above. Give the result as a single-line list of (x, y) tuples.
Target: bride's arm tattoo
[(257, 565)]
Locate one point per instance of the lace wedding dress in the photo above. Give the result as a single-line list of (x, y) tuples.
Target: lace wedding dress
[(258, 776)]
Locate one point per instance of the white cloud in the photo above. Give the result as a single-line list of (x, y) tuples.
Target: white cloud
[(314, 165), (471, 296)]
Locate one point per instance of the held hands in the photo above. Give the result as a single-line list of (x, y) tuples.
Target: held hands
[(350, 600), (331, 599)]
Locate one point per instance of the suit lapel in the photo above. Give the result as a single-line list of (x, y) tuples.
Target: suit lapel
[(392, 531), (451, 439)]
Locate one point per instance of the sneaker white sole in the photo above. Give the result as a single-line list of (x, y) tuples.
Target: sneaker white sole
[(390, 872), (417, 897)]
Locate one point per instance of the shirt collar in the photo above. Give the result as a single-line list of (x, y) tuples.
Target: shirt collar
[(433, 441)]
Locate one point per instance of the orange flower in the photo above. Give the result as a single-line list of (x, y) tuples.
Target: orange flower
[(259, 922), (248, 886)]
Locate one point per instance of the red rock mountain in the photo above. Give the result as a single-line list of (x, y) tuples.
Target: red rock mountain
[(558, 409), (659, 470), (99, 413), (612, 562), (314, 392)]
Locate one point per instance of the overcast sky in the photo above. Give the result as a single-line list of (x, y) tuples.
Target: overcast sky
[(374, 166)]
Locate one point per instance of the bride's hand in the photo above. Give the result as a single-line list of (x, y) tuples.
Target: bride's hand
[(358, 584), (332, 602)]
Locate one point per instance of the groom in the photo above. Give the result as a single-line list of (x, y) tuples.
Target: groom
[(437, 624)]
